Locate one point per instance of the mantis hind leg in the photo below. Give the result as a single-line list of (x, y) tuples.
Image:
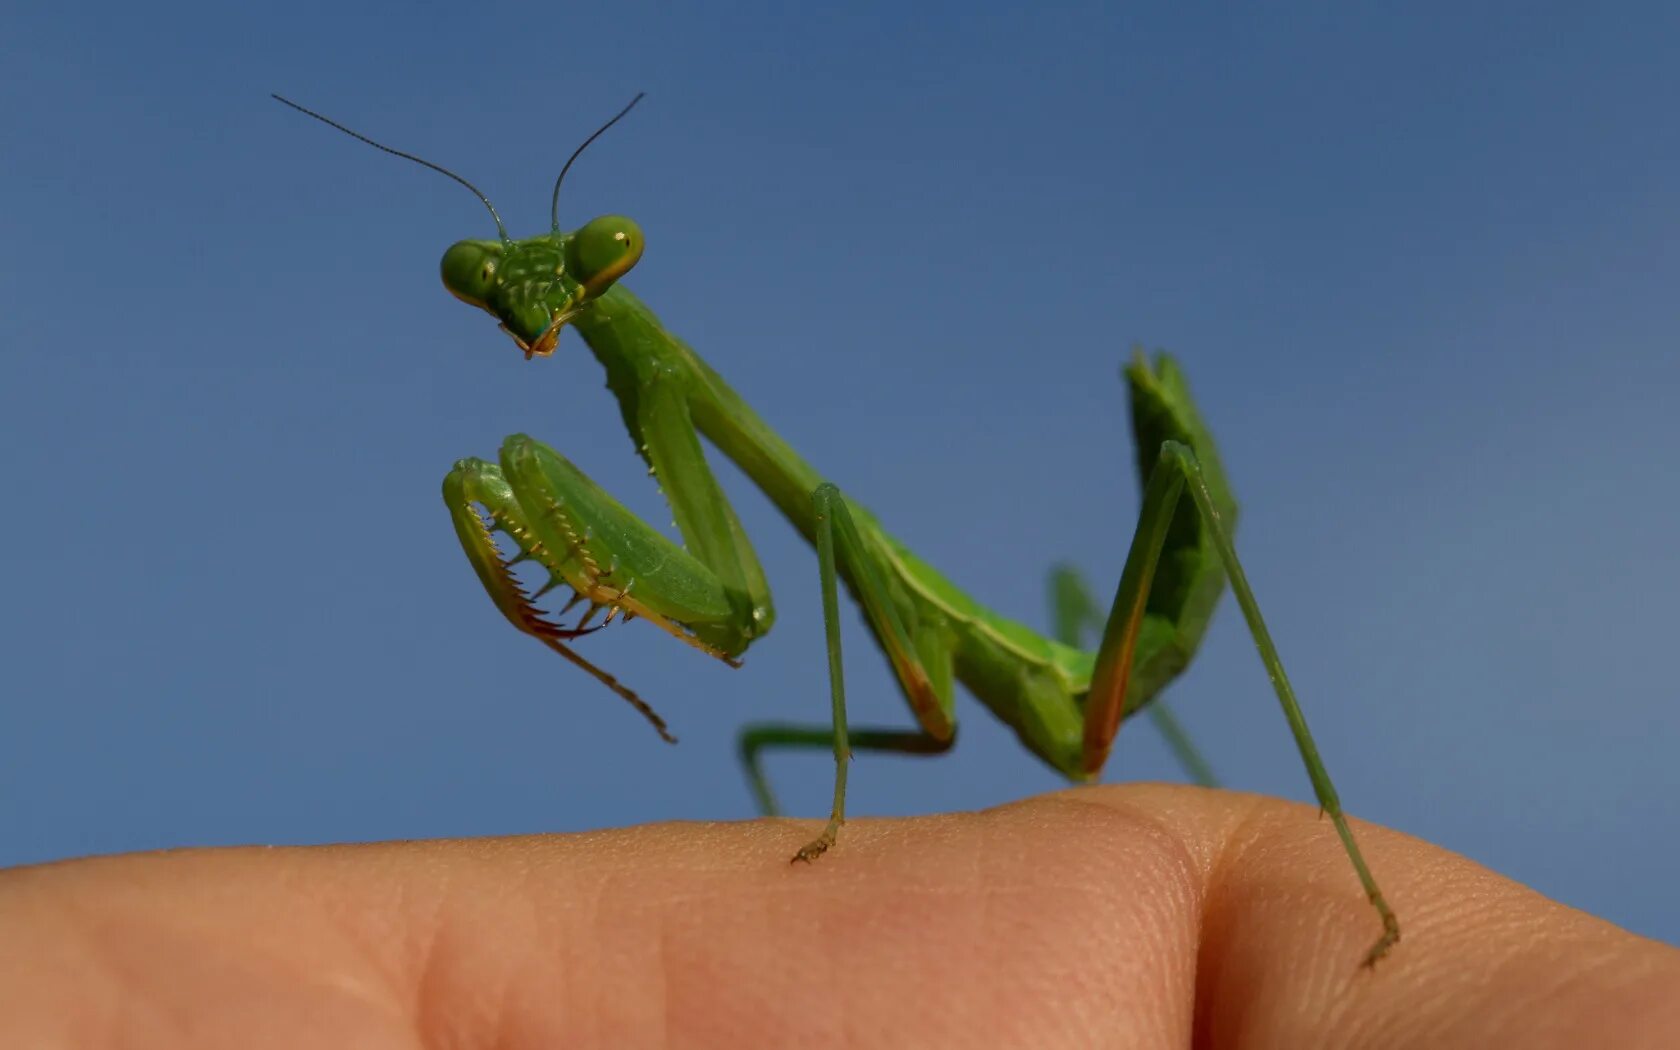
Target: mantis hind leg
[(1177, 471), (919, 655), (1073, 611)]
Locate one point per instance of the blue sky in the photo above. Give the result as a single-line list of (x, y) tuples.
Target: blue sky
[(1419, 265)]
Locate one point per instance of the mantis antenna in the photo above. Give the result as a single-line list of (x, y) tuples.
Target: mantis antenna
[(554, 201), (500, 229)]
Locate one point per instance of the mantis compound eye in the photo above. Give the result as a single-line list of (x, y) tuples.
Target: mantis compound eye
[(469, 271), (603, 251)]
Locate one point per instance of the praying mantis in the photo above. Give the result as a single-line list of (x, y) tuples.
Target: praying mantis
[(1063, 702)]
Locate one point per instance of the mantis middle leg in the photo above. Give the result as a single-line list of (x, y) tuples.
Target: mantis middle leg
[(919, 653)]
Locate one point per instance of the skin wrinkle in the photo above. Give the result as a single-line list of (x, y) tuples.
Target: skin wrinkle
[(769, 912), (193, 936), (527, 892), (435, 1007), (988, 924), (1189, 859), (1511, 938), (591, 915), (1572, 974), (1329, 905), (863, 854), (591, 919), (1181, 866), (987, 918), (1248, 831), (493, 972), (1164, 861), (98, 1012), (105, 923), (430, 980), (1498, 944), (666, 957), (618, 920), (1124, 813), (640, 914), (621, 913), (530, 975), (1513, 1007), (1508, 941), (395, 935), (1486, 980), (352, 926), (502, 998), (1099, 801)]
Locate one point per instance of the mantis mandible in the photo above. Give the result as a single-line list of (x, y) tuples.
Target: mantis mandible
[(1064, 703)]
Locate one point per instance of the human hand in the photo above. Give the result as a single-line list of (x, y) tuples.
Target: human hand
[(1138, 915)]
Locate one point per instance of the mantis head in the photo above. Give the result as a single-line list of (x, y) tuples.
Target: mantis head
[(534, 287)]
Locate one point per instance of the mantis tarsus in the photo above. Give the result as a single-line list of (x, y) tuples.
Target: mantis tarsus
[(1064, 703)]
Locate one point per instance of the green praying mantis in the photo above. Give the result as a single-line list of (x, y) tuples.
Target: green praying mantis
[(1063, 702)]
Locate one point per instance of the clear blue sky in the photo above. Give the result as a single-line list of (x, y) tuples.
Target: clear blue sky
[(1421, 267)]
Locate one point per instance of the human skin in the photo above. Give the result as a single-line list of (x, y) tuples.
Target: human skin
[(1131, 916)]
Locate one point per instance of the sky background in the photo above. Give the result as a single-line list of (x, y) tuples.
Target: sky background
[(1420, 267)]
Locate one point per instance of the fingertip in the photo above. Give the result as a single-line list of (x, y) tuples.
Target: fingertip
[(1484, 961)]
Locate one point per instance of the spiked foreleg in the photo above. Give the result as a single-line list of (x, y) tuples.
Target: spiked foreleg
[(589, 542), (474, 483)]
